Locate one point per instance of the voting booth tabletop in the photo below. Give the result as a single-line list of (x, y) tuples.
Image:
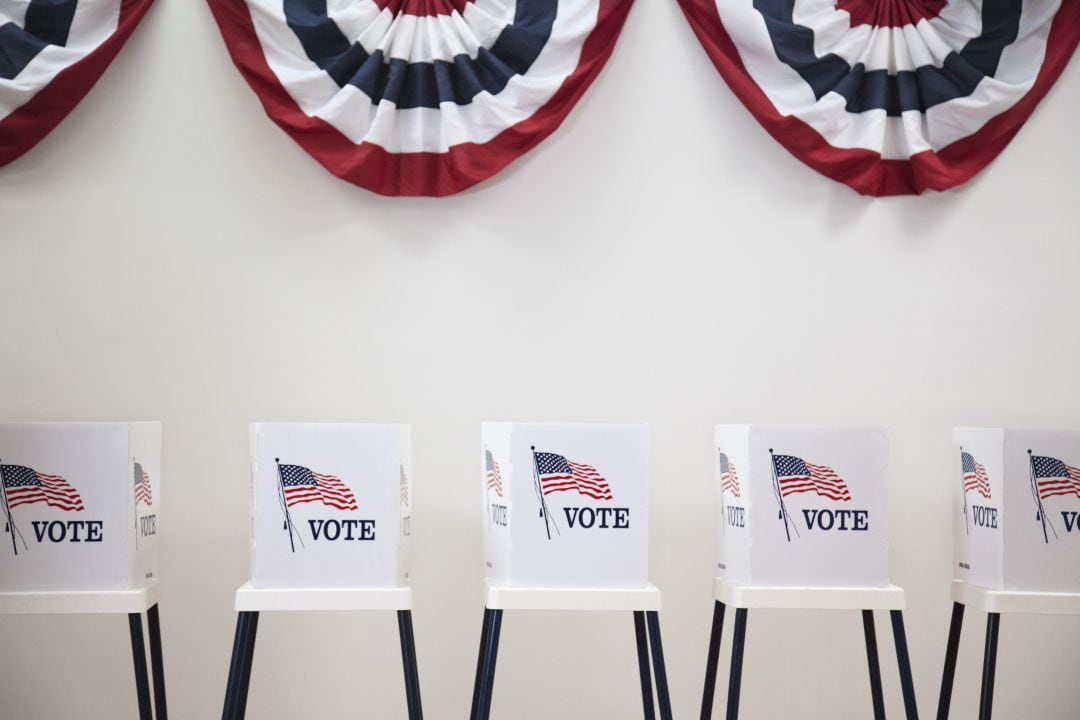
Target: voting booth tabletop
[(994, 603), (131, 602), (866, 599), (250, 601), (643, 602)]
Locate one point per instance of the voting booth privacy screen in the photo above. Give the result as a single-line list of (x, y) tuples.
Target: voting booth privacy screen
[(565, 506), (80, 504), (1016, 502), (331, 505), (803, 506)]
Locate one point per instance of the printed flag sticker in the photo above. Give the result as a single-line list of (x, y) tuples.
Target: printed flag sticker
[(25, 486), (1051, 477), (975, 479), (793, 475), (299, 484), (555, 473)]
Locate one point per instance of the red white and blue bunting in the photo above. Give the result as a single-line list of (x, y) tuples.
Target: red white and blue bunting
[(419, 97), (51, 54), (890, 96)]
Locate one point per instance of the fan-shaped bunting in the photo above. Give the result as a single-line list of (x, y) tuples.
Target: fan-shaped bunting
[(419, 97), (51, 54), (890, 96)]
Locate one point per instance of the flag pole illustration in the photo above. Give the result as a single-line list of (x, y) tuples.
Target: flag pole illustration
[(779, 495), (972, 477), (24, 486), (540, 492), (1051, 477), (491, 478), (487, 486), (299, 484), (1040, 512), (10, 522), (963, 493), (723, 517), (143, 493), (285, 505), (135, 499)]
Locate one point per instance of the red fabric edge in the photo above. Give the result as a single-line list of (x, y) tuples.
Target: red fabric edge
[(427, 173), (866, 171), (35, 119)]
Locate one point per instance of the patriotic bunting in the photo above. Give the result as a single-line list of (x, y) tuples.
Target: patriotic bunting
[(890, 97), (419, 97), (51, 54)]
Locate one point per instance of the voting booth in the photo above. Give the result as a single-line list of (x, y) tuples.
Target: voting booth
[(331, 505), (1016, 499), (803, 507), (1016, 544), (331, 524), (567, 506), (803, 524), (565, 513), (80, 506)]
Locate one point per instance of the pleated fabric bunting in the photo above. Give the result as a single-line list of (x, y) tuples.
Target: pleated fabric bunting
[(890, 97), (419, 97), (51, 54)]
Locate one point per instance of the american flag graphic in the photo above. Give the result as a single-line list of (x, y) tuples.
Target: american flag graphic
[(143, 493), (404, 486), (558, 474), (491, 470), (1054, 477), (24, 486), (729, 479), (795, 475), (302, 485), (975, 477)]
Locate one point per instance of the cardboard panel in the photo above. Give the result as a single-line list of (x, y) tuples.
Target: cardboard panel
[(817, 514), (329, 511), (577, 505), (1024, 536), (70, 492)]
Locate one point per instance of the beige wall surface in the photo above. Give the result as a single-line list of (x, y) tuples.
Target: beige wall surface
[(168, 253)]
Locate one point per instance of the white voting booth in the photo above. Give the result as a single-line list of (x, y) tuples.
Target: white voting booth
[(80, 506), (1016, 544), (331, 526), (565, 511), (803, 523)]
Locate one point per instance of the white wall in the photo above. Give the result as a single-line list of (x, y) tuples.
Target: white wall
[(169, 253)]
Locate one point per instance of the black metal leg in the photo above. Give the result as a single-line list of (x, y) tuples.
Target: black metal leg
[(240, 666), (986, 699), (712, 660), (157, 664), (138, 654), (872, 660), (479, 666), (229, 710), (643, 665), (951, 650), (653, 620), (493, 619), (738, 642), (907, 685), (408, 662), (245, 667)]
